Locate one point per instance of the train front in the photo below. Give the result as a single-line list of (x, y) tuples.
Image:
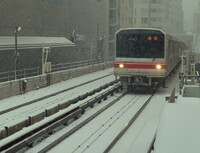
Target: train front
[(139, 57)]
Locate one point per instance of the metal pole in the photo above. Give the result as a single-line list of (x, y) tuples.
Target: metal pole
[(16, 62), (43, 58), (97, 47)]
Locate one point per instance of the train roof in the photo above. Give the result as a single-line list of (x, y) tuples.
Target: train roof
[(166, 34), (141, 29)]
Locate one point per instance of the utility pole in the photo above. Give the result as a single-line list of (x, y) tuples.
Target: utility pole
[(16, 54)]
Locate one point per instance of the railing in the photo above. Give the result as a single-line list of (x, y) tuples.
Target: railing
[(188, 80), (10, 75), (66, 66), (24, 73)]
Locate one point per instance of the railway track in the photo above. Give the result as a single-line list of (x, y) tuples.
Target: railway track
[(134, 102), (28, 138), (31, 137), (127, 126), (50, 95), (30, 116)]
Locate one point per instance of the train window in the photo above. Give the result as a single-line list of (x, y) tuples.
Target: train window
[(140, 44)]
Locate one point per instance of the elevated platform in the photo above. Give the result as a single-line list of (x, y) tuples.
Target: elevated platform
[(178, 130)]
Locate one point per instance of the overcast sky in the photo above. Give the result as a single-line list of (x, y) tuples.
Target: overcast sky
[(189, 6)]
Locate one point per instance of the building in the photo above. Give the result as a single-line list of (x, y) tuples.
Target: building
[(120, 16), (163, 14), (173, 16), (91, 25), (196, 30), (49, 18), (148, 13)]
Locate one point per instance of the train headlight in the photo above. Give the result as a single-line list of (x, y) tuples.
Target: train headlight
[(121, 65), (158, 66)]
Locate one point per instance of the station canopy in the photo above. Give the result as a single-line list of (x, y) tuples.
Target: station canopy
[(8, 42)]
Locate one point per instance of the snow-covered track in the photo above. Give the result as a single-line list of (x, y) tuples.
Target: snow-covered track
[(127, 125), (97, 134), (27, 138), (25, 116), (50, 95)]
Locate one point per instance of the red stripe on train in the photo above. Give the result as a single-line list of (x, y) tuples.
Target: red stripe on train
[(129, 62), (140, 65)]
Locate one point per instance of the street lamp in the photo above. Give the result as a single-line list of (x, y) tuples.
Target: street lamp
[(16, 54)]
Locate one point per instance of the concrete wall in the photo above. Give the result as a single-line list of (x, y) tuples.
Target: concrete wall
[(13, 88), (32, 57), (9, 89), (58, 18), (36, 17), (191, 91), (91, 19)]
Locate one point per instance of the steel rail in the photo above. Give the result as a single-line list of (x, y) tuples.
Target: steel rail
[(66, 104), (60, 139), (121, 133), (30, 137)]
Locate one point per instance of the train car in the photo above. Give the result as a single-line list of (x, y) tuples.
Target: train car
[(144, 57)]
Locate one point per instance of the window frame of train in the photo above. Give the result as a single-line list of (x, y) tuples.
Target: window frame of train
[(137, 44)]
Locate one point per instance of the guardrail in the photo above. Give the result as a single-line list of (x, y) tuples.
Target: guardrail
[(188, 80), (66, 66), (24, 73)]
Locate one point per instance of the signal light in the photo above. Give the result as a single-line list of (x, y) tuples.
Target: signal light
[(155, 38), (152, 38), (149, 38), (158, 66)]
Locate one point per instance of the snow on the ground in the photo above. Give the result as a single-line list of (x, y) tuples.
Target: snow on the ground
[(21, 114), (20, 99), (178, 130), (140, 135), (149, 120), (137, 138)]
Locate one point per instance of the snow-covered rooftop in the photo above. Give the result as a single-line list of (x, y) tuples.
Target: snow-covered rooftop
[(25, 41)]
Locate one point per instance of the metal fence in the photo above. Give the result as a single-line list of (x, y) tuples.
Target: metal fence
[(72, 65), (24, 73), (10, 75), (188, 80)]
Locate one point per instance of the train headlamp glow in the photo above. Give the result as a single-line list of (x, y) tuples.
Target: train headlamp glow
[(121, 65), (158, 66)]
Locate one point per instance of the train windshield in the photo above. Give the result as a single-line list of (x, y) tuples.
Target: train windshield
[(140, 44)]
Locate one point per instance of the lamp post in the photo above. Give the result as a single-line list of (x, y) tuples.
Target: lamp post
[(16, 54)]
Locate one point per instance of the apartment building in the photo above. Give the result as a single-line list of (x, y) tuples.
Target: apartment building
[(163, 14), (173, 16), (120, 16)]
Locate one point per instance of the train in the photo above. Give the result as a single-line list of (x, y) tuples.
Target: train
[(144, 57)]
